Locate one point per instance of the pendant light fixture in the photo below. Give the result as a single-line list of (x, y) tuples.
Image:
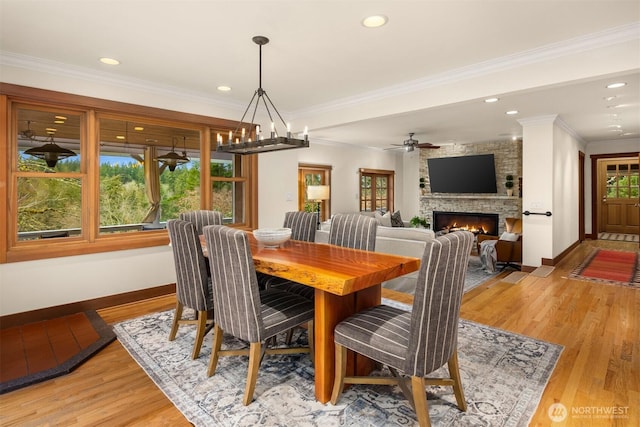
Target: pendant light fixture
[(173, 159), (264, 141), (50, 152)]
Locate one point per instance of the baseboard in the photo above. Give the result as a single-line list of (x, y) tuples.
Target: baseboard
[(561, 255), (18, 319)]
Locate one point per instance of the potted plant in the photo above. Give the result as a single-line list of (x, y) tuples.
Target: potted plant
[(509, 185), (418, 221)]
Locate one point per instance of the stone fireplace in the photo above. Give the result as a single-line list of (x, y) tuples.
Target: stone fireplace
[(477, 223)]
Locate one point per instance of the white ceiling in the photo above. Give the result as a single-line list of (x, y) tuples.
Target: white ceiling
[(426, 71)]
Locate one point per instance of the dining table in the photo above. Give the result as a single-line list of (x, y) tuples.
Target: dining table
[(345, 281)]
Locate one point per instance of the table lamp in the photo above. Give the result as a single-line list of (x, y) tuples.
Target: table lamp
[(318, 193)]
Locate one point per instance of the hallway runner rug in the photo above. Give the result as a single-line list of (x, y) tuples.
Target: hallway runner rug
[(610, 267), (503, 376), (619, 237), (39, 351)]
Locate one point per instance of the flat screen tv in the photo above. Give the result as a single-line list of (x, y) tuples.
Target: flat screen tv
[(464, 174)]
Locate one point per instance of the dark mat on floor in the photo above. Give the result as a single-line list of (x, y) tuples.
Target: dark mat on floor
[(43, 350)]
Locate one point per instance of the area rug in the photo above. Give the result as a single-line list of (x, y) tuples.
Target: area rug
[(43, 350), (476, 275), (503, 375), (611, 267), (619, 237)]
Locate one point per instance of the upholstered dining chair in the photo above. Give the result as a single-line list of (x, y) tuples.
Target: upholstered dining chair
[(202, 218), (303, 228), (244, 311), (353, 231), (193, 286), (419, 341)]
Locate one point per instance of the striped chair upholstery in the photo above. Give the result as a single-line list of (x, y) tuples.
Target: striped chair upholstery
[(193, 287), (353, 231), (416, 342), (302, 224), (202, 218), (244, 311), (303, 227)]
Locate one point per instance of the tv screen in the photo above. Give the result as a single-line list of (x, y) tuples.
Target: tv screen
[(465, 174)]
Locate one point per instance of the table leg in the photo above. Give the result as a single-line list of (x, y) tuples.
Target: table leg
[(331, 309)]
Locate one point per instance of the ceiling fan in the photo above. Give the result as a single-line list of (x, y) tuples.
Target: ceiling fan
[(410, 144)]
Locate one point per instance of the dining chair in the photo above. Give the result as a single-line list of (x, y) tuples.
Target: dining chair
[(193, 286), (202, 218), (415, 342), (353, 231), (243, 310), (303, 228)]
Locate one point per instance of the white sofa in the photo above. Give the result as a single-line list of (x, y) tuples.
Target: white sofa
[(403, 241)]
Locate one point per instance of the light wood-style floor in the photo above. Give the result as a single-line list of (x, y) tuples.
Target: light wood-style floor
[(599, 326)]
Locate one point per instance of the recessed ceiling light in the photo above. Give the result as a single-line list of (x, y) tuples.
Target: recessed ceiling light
[(616, 85), (511, 112), (120, 137), (60, 118), (109, 61), (609, 98), (138, 128), (59, 122), (374, 21), (224, 88), (490, 100), (615, 126)]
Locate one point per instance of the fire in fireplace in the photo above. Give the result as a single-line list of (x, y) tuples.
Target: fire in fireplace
[(477, 223)]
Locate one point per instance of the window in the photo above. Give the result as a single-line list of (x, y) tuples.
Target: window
[(105, 189), (313, 175), (376, 190)]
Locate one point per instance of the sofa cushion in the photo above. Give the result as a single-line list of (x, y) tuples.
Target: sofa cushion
[(384, 220), (396, 219), (422, 234)]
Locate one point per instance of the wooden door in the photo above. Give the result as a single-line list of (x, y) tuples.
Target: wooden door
[(619, 203), (309, 174)]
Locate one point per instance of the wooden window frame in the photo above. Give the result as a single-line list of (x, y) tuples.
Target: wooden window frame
[(325, 172), (389, 174), (91, 241)]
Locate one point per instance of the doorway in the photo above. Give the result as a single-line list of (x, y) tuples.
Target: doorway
[(309, 174), (618, 203)]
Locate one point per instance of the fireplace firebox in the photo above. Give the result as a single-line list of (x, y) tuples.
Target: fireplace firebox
[(477, 223)]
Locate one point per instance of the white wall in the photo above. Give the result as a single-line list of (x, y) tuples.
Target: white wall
[(31, 285), (631, 145), (278, 182)]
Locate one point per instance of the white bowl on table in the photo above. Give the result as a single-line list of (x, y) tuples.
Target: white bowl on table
[(272, 237)]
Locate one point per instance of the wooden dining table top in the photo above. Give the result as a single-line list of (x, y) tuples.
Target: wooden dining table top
[(331, 268)]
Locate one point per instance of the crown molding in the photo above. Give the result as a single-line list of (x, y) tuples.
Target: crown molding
[(55, 68), (605, 38)]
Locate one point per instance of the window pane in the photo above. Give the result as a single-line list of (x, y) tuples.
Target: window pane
[(49, 207), (141, 184), (228, 198), (48, 141)]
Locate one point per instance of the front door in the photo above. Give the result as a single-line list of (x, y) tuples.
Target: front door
[(619, 203)]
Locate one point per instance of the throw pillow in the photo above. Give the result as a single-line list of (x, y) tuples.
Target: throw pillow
[(384, 220), (510, 237), (396, 219)]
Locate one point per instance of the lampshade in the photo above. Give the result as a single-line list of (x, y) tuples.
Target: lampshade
[(318, 192)]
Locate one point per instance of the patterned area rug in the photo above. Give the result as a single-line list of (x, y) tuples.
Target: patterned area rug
[(503, 375), (476, 275), (611, 267)]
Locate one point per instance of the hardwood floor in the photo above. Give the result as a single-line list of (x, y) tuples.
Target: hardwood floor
[(599, 326)]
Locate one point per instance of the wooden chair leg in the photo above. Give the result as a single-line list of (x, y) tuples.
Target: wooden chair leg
[(200, 332), (177, 315), (420, 401), (341, 370), (255, 353), (454, 372), (310, 337), (215, 350)]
